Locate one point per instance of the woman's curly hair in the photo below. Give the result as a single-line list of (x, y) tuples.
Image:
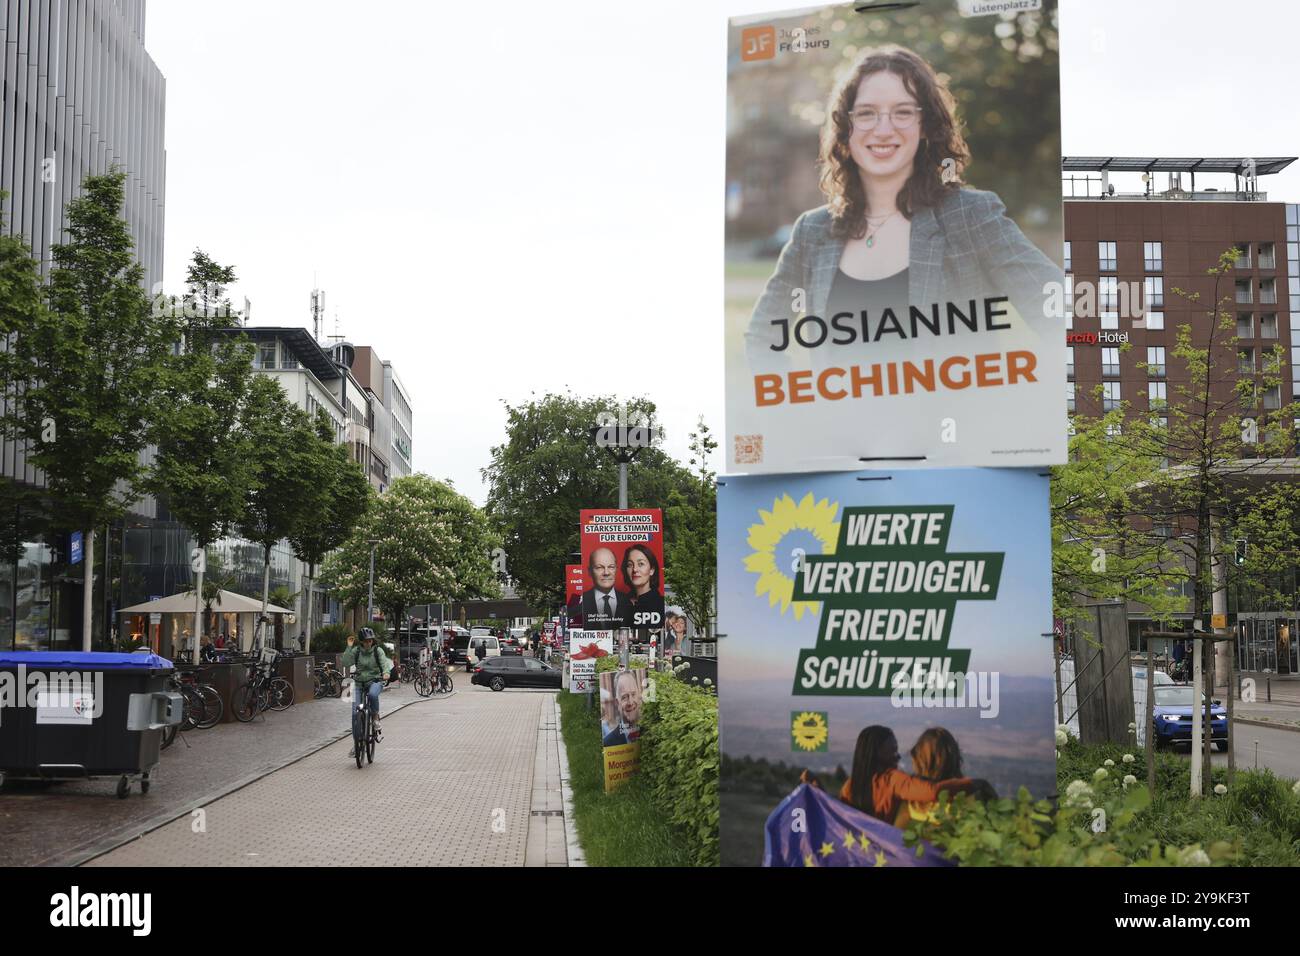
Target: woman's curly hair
[(941, 139)]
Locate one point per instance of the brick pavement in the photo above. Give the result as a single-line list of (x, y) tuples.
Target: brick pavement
[(455, 781), (67, 822)]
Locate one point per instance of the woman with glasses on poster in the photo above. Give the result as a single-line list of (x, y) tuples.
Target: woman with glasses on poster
[(899, 228)]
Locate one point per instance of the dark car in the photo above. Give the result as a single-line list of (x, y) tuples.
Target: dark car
[(511, 646), (1173, 716), (502, 672), (458, 651)]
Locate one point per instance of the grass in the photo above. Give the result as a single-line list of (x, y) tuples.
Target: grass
[(623, 828)]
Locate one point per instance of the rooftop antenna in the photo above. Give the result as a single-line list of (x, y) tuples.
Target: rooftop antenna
[(317, 310)]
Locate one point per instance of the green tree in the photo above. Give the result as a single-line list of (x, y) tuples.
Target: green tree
[(431, 546), (22, 511), (692, 554), (203, 467), (549, 468), (285, 492), (91, 366), (345, 498)]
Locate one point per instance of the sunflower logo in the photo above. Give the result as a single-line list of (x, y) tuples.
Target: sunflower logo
[(809, 730), (781, 538)]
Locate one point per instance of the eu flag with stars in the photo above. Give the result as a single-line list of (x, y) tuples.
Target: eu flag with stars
[(812, 828)]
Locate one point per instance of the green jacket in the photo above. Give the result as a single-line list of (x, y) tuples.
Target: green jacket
[(371, 665)]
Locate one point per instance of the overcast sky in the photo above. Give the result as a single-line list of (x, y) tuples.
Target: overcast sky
[(519, 197)]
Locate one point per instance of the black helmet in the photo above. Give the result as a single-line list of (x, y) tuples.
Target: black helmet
[(366, 634)]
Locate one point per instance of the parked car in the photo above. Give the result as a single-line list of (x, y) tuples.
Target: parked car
[(1173, 716), (499, 673), (458, 650)]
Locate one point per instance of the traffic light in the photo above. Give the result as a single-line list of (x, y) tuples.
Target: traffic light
[(1241, 551)]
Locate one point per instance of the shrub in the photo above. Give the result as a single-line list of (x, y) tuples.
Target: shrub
[(330, 639)]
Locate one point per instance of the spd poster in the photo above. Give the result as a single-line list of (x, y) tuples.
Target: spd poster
[(623, 559)]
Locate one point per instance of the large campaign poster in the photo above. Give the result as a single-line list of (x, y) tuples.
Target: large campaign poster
[(622, 705), (623, 557), (884, 634), (894, 283)]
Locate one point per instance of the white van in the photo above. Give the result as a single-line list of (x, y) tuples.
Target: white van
[(490, 644)]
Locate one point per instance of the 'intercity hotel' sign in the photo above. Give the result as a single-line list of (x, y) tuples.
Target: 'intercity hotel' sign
[(1095, 338)]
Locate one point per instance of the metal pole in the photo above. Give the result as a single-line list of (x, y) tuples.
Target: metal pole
[(370, 594), (1198, 683), (1148, 719), (622, 484)]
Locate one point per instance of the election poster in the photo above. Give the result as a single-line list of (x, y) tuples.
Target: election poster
[(585, 648), (885, 639), (622, 701), (574, 584), (623, 559), (895, 295)]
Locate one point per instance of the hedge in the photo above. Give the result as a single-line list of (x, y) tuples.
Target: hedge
[(679, 758)]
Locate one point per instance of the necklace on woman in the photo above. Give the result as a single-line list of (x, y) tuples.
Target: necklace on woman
[(871, 233)]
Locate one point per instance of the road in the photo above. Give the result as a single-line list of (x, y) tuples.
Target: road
[(1278, 750)]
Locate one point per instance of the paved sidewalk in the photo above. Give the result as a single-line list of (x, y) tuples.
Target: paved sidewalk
[(455, 782), (68, 822)]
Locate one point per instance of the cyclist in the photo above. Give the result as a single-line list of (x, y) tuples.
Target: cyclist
[(373, 666)]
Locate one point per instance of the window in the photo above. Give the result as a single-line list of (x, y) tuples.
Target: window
[(1069, 360), (266, 355), (1243, 258), (1156, 361), (1153, 288), (1069, 301), (1107, 293), (1245, 325), (1110, 362), (1153, 257), (1110, 320), (1267, 258), (1158, 393), (1273, 397), (1110, 396), (1160, 421), (1243, 291), (1114, 429), (288, 360), (1246, 361), (1268, 291), (1067, 255), (1106, 256), (1155, 320), (1069, 396), (1268, 326)]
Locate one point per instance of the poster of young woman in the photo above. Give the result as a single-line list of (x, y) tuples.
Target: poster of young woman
[(894, 239), (623, 556), (885, 645)]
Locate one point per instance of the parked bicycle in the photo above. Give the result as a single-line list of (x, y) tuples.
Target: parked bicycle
[(263, 690), (329, 681)]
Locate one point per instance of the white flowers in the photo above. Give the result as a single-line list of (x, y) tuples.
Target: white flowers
[(1193, 856), (1100, 774), (1128, 758), (1220, 789), (1061, 738), (1109, 763), (1295, 788), (1078, 794), (1132, 727), (1129, 780)]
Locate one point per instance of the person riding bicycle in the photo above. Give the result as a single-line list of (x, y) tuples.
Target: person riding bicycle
[(372, 665)]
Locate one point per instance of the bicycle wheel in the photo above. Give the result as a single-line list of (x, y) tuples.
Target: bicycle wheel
[(424, 685), (370, 740), (361, 733), (168, 736), (446, 683), (193, 711), (213, 708), (245, 703), (318, 685), (280, 694)]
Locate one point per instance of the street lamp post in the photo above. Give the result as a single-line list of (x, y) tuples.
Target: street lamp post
[(370, 593)]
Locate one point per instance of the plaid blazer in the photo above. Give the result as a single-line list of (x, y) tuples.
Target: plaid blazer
[(966, 245)]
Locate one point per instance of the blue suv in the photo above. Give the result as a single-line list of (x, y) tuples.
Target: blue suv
[(1173, 716)]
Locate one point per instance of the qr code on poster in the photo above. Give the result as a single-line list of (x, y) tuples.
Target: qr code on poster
[(749, 449)]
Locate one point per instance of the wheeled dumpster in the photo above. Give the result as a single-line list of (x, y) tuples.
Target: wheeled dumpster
[(73, 714)]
